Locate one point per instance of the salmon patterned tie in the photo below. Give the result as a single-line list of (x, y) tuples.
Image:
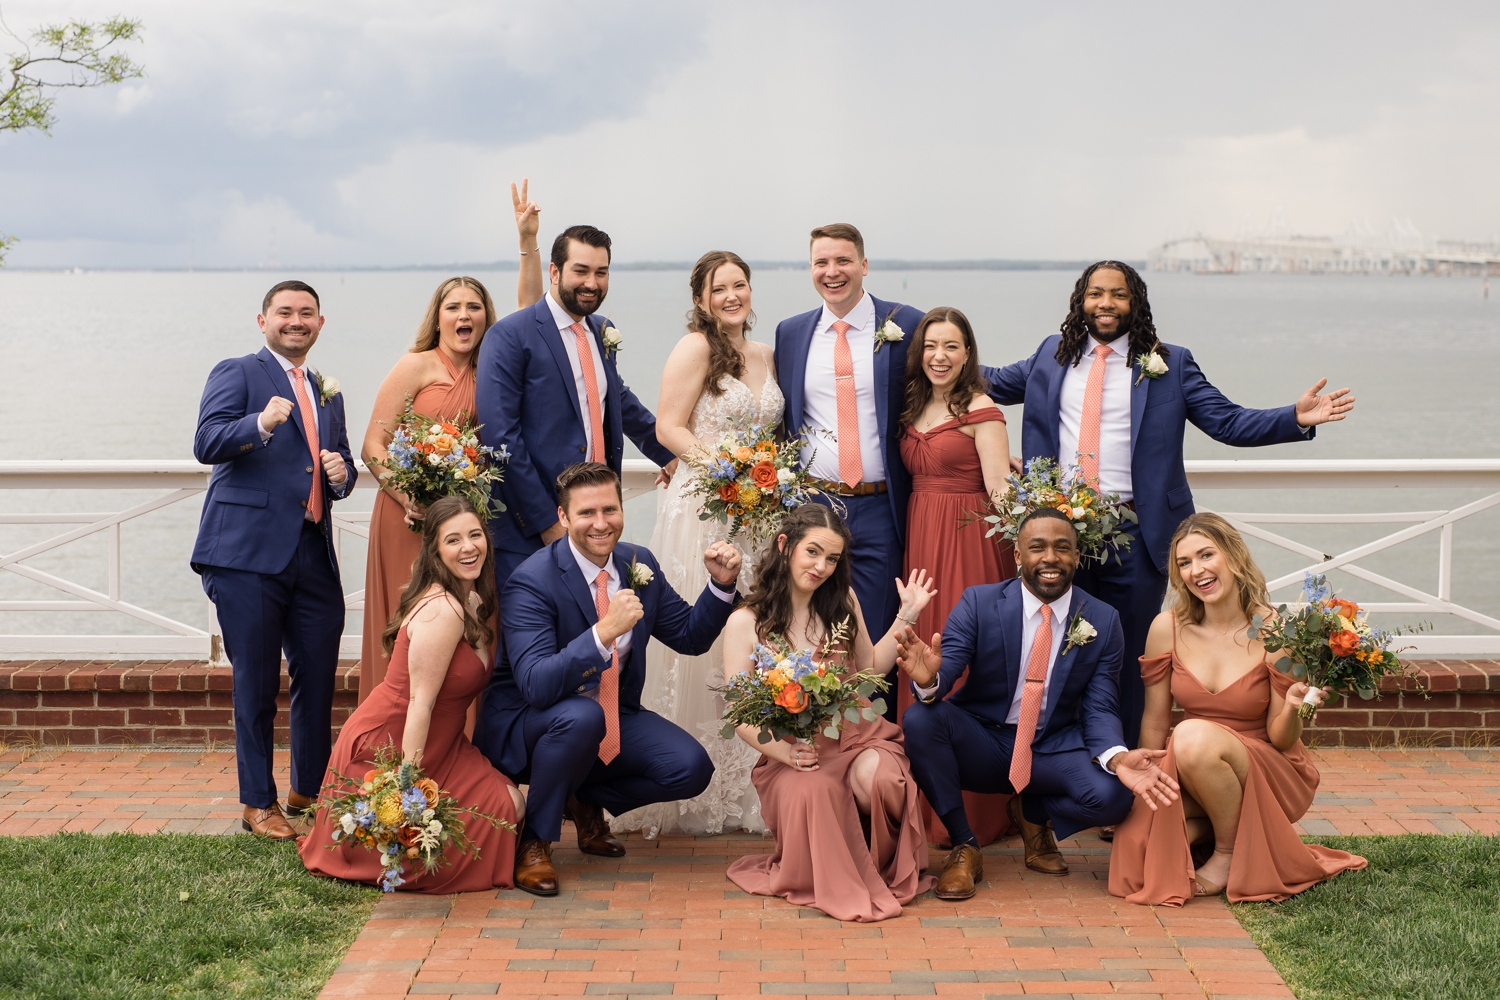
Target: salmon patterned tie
[(851, 467), (609, 682), (310, 425), (591, 388), (1093, 406), (1031, 701)]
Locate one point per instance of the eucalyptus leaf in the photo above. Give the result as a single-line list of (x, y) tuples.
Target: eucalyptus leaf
[(832, 732), (763, 737), (1299, 670), (727, 733), (851, 713), (1256, 621), (1284, 664), (1365, 694), (1254, 632), (866, 689), (878, 705), (868, 714)]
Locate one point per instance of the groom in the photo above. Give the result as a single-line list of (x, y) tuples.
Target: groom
[(563, 708), (1037, 716)]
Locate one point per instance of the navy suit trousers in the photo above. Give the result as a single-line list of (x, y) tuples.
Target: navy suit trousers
[(875, 560), (658, 762), (953, 752), (1134, 588), (299, 611)]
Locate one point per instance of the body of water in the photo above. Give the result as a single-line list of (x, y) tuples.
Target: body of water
[(110, 365)]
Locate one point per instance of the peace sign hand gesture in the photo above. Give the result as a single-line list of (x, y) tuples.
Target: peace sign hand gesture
[(528, 214)]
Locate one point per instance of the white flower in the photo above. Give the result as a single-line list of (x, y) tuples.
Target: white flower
[(890, 333), (328, 387), (347, 822), (1080, 633), (1152, 365), (785, 476), (1078, 513), (640, 575), (612, 339), (435, 827)]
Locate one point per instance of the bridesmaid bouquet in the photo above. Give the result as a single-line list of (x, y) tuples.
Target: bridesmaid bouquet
[(430, 459), (1096, 516), (1329, 642), (750, 481), (401, 814), (800, 694)]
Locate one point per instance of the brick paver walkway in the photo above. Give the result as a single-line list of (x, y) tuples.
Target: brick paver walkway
[(664, 920)]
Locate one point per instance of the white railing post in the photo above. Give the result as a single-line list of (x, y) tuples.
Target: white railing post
[(1445, 564)]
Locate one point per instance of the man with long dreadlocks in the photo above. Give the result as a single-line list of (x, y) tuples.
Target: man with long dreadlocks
[(1107, 395)]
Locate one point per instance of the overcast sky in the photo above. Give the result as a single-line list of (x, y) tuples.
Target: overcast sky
[(384, 132)]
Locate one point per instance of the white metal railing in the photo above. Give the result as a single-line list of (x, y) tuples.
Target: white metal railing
[(181, 480)]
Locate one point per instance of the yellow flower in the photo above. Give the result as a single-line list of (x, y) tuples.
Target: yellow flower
[(388, 809), (749, 496)]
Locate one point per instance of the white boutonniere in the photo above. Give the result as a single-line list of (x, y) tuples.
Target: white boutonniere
[(889, 333), (1080, 633), (328, 387), (1151, 364), (639, 575), (612, 340)]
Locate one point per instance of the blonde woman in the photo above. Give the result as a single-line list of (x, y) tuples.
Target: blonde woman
[(1245, 776)]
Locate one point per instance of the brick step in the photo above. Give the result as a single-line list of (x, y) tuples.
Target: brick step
[(167, 702)]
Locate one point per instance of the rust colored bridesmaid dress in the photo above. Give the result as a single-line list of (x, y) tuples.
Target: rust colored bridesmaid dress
[(947, 487), (394, 546), (448, 758), (1150, 863)]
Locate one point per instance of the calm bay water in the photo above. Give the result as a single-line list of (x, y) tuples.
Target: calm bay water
[(111, 365)]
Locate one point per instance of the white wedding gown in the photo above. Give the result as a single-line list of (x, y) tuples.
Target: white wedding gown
[(681, 688)]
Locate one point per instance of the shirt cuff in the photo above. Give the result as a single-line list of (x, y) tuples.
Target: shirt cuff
[(926, 693), (600, 646), (265, 435), (1109, 755), (726, 596)]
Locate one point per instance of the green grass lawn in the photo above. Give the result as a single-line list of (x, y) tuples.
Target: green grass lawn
[(125, 917), (1421, 923)]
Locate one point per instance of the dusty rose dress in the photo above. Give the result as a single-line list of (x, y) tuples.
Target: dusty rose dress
[(1149, 862), (449, 759), (394, 546), (821, 857), (948, 486)]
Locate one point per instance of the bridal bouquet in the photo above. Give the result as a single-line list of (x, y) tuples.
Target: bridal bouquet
[(429, 459), (1097, 516), (1330, 643), (749, 481), (800, 693), (401, 814)]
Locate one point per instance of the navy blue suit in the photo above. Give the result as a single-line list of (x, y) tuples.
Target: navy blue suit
[(1160, 410), (964, 743), (272, 574), (526, 399), (537, 725)]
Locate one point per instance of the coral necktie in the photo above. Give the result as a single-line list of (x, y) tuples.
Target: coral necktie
[(1031, 702), (1088, 426), (609, 681), (851, 467), (591, 389), (310, 426)]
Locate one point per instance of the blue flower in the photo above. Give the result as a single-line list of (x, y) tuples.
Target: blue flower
[(363, 814), (721, 469), (1315, 588), (413, 801)]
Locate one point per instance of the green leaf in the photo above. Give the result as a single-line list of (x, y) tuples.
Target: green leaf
[(1299, 671), (852, 713), (878, 705), (1254, 631), (832, 732), (1284, 664), (1365, 694), (727, 732), (763, 738)]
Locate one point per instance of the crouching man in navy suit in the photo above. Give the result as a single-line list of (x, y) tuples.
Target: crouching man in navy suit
[(273, 430), (563, 708), (1038, 715)]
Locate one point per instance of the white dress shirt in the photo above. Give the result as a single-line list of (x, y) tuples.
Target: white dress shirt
[(311, 387), (590, 573), (820, 394), (570, 344), (1114, 417)]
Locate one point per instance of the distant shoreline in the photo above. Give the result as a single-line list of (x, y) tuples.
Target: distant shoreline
[(645, 265)]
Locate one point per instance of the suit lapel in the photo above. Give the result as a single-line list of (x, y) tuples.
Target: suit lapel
[(793, 364), (281, 384), (573, 581), (883, 312), (611, 400), (1139, 387), (1057, 372), (325, 422), (552, 337), (1064, 664), (641, 634), (1012, 612)]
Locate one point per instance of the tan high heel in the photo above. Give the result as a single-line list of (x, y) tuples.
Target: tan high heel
[(1203, 888)]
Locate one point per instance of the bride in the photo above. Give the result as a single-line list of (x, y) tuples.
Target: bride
[(713, 379)]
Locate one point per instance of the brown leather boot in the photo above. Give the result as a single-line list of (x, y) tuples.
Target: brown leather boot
[(298, 805), (963, 870), (534, 871), (593, 832), (268, 823), (1042, 854)]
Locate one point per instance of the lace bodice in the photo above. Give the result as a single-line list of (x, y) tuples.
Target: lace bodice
[(715, 416)]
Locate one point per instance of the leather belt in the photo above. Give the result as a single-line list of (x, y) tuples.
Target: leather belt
[(1128, 505), (845, 490)]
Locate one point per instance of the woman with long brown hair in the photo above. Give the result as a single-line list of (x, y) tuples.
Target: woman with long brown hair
[(1245, 776), (715, 379), (441, 644), (954, 444), (849, 839)]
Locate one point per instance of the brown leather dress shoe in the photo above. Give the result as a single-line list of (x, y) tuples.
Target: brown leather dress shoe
[(298, 805), (534, 871), (593, 832), (1042, 854), (268, 823), (963, 870), (1107, 833)]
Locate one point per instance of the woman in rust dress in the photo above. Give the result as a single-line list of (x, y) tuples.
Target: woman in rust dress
[(955, 446), (1245, 776), (441, 644), (844, 811)]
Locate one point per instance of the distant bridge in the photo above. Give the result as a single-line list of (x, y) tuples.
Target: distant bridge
[(1403, 251)]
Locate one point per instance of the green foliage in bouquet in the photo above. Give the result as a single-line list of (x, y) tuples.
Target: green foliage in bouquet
[(1097, 517), (430, 459)]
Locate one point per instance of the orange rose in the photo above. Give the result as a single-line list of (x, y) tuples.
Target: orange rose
[(1343, 643), (729, 492), (1065, 508), (792, 698), (763, 475), (371, 775), (1345, 609), (743, 454), (471, 453), (431, 790), (407, 835)]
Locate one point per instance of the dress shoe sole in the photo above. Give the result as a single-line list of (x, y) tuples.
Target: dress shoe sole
[(955, 896), (1046, 871), (250, 829), (538, 892), (602, 854)]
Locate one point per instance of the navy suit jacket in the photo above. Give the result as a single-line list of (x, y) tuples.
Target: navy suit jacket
[(525, 398), (1160, 409), (983, 636), (794, 340), (548, 651), (257, 496)]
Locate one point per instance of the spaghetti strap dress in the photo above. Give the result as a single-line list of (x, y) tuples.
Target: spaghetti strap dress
[(393, 546), (1149, 862), (947, 489)]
